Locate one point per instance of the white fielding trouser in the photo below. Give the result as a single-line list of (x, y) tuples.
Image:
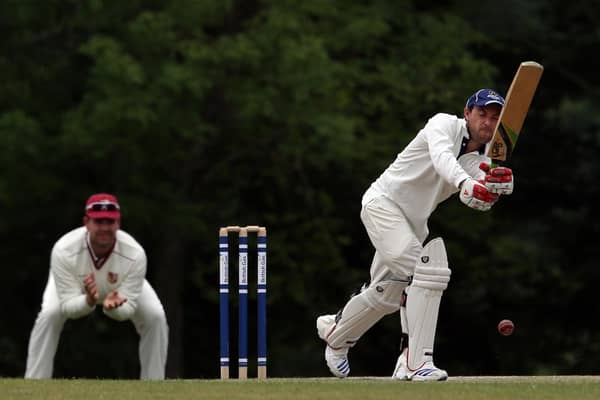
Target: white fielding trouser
[(149, 321), (397, 248)]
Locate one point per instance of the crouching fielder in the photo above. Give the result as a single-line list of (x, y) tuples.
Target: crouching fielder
[(445, 157), (99, 265)]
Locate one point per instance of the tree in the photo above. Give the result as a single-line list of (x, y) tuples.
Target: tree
[(202, 114)]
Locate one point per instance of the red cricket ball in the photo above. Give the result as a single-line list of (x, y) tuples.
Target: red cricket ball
[(506, 327)]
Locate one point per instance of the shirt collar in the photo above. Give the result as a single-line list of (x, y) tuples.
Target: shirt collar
[(465, 140), (98, 261)]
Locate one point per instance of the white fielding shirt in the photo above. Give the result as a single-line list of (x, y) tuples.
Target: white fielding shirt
[(428, 171), (124, 270)]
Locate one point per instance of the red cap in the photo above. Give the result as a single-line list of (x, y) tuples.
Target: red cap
[(103, 205)]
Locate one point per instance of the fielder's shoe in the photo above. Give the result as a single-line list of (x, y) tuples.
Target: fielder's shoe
[(428, 372), (337, 361)]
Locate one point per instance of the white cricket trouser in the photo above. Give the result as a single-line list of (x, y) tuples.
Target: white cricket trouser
[(396, 245), (396, 252), (149, 320)]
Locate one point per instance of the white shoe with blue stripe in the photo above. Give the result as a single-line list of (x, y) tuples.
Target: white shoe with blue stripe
[(428, 372), (337, 361)]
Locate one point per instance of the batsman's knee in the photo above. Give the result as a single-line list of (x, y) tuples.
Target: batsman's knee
[(431, 271), (360, 313), (385, 296)]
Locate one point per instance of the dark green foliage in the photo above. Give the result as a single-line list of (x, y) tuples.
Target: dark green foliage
[(199, 114)]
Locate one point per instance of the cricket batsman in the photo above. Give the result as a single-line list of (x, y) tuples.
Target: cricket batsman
[(407, 273)]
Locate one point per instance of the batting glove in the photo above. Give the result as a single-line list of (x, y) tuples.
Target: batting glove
[(498, 180), (476, 195)]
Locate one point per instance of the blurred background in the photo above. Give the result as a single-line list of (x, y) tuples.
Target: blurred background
[(203, 113)]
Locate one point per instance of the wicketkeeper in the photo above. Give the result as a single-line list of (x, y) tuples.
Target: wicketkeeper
[(99, 265), (446, 156)]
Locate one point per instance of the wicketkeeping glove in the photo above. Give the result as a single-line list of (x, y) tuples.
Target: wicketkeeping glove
[(476, 195), (498, 180)]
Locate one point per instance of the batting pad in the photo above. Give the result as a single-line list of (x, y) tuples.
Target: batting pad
[(363, 311), (423, 302)]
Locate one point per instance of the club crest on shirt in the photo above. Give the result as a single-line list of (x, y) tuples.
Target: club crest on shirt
[(112, 278)]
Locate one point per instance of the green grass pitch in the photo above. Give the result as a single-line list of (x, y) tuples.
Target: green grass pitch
[(456, 388)]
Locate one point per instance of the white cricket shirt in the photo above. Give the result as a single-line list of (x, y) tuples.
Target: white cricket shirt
[(427, 171), (124, 270)]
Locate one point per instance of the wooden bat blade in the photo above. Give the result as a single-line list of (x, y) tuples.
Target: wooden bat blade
[(518, 99)]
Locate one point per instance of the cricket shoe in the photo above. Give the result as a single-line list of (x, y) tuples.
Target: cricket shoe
[(427, 372), (401, 370), (337, 361)]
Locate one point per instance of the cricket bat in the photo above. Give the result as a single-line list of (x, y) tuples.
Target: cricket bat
[(518, 99)]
